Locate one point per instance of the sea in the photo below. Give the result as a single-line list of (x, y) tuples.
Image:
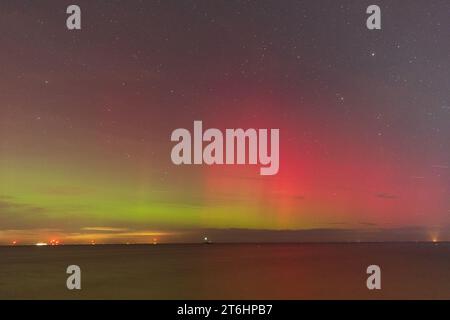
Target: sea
[(413, 270)]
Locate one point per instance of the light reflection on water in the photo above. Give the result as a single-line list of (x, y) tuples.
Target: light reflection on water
[(234, 271)]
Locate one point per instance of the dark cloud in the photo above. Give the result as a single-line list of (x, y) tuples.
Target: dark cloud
[(14, 215), (6, 205), (25, 216), (369, 224), (385, 195), (315, 235)]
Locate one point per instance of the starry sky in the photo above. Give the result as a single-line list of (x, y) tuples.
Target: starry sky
[(86, 118)]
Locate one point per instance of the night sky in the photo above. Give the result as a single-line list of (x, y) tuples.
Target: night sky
[(86, 118)]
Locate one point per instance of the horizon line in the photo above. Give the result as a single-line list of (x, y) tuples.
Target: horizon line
[(224, 242)]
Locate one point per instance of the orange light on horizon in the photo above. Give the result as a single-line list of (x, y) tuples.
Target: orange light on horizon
[(54, 242), (434, 236)]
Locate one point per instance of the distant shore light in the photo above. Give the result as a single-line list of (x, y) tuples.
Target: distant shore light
[(40, 244)]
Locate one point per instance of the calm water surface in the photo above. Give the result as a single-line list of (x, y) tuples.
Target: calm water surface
[(227, 271)]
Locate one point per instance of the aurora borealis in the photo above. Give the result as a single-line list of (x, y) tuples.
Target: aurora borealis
[(86, 118)]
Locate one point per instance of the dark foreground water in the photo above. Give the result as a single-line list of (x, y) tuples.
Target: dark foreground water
[(234, 271)]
